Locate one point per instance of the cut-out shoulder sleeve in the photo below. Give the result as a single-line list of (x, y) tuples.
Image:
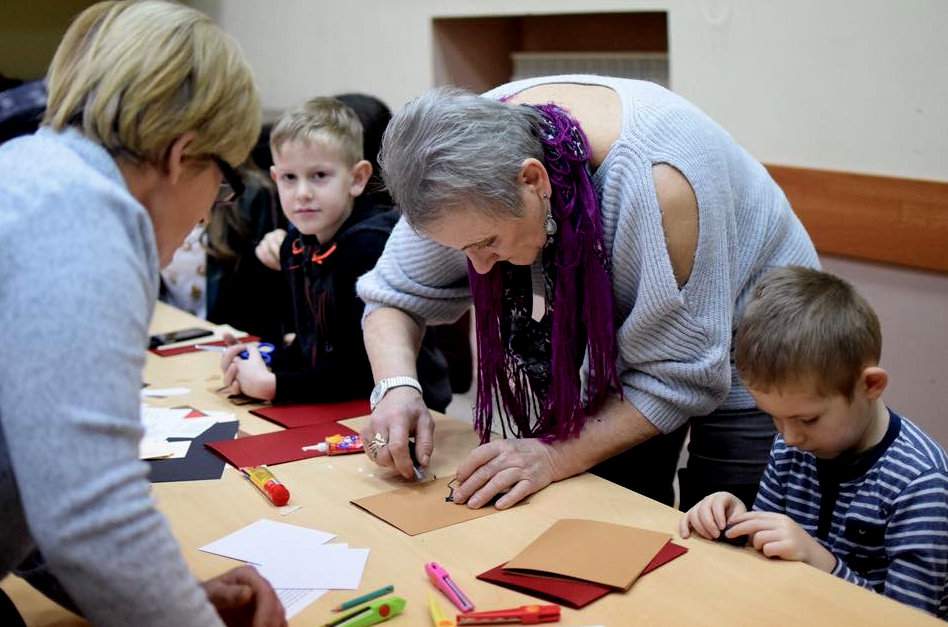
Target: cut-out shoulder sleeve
[(679, 209), (674, 342)]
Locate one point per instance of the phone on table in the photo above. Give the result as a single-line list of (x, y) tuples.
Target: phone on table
[(177, 336)]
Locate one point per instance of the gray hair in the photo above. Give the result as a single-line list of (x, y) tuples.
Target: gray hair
[(451, 148)]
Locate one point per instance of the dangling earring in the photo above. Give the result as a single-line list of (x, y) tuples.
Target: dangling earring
[(549, 224)]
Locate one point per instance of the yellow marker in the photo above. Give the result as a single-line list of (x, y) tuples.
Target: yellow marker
[(437, 614)]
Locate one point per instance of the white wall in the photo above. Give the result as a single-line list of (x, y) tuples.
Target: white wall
[(853, 85), (913, 310)]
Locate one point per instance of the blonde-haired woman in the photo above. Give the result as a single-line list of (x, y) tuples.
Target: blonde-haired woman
[(150, 108)]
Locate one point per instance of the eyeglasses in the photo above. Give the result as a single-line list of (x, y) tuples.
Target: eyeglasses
[(232, 186)]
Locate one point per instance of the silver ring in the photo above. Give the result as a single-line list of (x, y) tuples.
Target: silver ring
[(377, 442)]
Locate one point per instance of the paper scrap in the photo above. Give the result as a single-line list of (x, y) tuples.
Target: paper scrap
[(258, 541), (295, 601), (164, 392), (332, 567)]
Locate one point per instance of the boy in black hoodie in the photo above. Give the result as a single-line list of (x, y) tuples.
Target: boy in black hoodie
[(336, 235)]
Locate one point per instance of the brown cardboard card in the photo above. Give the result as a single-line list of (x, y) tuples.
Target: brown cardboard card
[(614, 555), (420, 507)]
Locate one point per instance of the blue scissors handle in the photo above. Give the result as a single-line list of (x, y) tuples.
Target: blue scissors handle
[(266, 352)]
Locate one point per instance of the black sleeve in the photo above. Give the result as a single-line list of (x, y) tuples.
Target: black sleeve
[(342, 373)]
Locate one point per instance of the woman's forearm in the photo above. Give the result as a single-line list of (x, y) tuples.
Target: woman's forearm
[(617, 427), (392, 340)]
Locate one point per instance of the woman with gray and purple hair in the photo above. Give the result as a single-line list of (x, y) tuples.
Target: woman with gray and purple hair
[(608, 234)]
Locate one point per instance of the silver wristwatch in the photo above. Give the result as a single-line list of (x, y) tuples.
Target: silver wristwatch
[(382, 387)]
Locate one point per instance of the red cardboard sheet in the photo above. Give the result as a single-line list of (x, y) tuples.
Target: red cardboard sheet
[(574, 593), (276, 448), (303, 415)]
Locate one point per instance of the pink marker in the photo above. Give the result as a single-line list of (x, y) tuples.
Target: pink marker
[(443, 582)]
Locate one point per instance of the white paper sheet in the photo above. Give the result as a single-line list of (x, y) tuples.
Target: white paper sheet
[(162, 449), (295, 601), (329, 567), (265, 538), (164, 392), (291, 557), (162, 423)]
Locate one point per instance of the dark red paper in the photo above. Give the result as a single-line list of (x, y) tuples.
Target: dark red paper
[(276, 448), (574, 593), (303, 415)]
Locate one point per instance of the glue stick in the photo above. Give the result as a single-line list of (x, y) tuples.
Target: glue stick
[(261, 477)]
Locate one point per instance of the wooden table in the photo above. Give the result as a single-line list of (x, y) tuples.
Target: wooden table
[(712, 584)]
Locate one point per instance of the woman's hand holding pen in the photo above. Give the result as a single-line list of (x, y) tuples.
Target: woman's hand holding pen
[(399, 414), (250, 376), (243, 598)]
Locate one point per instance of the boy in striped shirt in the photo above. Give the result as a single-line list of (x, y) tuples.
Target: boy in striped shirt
[(852, 488)]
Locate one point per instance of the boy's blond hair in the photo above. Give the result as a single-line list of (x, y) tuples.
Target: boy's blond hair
[(806, 327), (135, 76), (321, 120)]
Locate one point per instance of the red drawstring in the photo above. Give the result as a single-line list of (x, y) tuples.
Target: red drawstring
[(319, 258)]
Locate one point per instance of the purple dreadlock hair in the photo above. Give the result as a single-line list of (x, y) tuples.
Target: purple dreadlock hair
[(582, 311)]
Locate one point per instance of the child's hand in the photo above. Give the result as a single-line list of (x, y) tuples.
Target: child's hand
[(711, 515), (268, 250), (250, 376), (777, 535)]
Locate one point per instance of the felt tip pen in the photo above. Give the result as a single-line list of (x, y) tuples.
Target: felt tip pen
[(525, 615), (365, 598), (443, 582), (261, 477), (438, 617), (416, 466)]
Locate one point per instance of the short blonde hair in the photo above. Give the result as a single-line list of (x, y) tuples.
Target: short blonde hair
[(321, 120), (135, 76), (806, 327)]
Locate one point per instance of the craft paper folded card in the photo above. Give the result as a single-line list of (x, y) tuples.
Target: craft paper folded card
[(572, 593), (420, 507), (276, 448), (292, 416), (613, 555)]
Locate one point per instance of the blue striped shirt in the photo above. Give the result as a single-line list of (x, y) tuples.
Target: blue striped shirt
[(883, 514)]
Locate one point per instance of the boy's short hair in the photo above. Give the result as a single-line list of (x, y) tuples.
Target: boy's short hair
[(806, 326), (135, 76), (321, 120)]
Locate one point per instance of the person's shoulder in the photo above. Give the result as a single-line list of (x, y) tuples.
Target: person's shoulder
[(916, 451), (371, 225), (72, 186)]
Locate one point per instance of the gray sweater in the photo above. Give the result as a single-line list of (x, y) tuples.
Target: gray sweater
[(674, 344), (78, 282)]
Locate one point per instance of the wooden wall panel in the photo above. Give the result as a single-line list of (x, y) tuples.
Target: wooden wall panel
[(887, 219)]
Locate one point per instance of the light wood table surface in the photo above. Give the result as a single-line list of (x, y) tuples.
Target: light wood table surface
[(712, 584)]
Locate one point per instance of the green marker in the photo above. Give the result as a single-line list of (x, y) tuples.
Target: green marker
[(364, 598)]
